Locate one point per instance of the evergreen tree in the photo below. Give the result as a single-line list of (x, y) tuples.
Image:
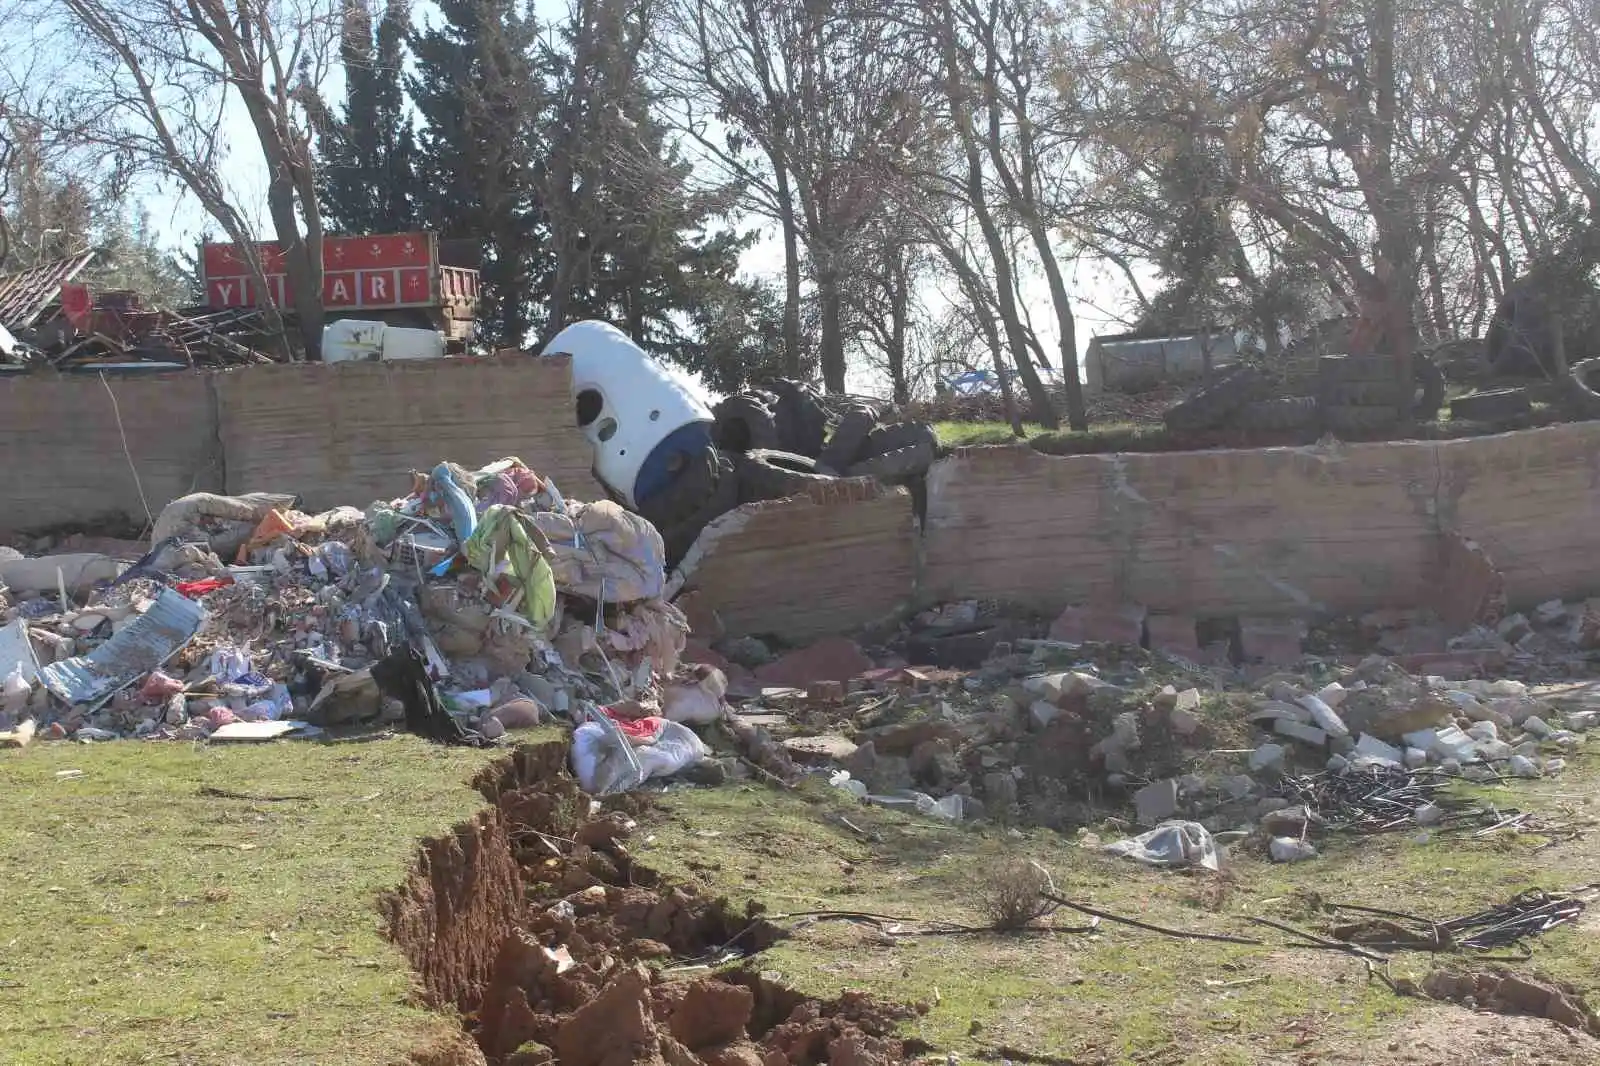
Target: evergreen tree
[(633, 243), (478, 88), (367, 179)]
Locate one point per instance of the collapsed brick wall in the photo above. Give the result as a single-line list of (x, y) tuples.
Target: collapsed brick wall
[(346, 433), (64, 460), (836, 559)]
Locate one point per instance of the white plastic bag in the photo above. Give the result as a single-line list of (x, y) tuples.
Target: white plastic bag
[(1170, 844), (16, 691), (675, 748)]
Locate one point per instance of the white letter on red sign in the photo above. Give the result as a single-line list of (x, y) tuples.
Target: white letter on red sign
[(341, 294)]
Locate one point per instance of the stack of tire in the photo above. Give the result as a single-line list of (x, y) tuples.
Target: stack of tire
[(1355, 395), (1362, 394), (774, 442)]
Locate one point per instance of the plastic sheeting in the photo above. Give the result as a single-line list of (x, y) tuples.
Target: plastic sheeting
[(1170, 845)]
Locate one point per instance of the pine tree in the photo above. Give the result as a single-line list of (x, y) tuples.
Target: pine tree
[(368, 173), (633, 243), (478, 88)]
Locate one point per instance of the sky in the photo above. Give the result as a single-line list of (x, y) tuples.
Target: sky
[(181, 223)]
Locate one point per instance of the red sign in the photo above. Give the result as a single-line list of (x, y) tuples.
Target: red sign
[(392, 270)]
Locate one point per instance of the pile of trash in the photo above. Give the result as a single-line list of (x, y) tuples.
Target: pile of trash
[(249, 619)]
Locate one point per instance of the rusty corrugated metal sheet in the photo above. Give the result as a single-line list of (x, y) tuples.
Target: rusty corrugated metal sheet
[(169, 623), (25, 294)]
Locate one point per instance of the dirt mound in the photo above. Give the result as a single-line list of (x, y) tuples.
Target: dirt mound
[(536, 923), (1512, 993)]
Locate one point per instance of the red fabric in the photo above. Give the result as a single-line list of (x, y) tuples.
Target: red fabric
[(638, 728), (195, 589)]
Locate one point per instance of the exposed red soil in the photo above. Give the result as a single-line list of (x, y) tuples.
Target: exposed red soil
[(534, 921)]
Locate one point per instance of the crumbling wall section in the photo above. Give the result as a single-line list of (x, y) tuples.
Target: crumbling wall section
[(343, 433), (840, 557), (1531, 499), (1264, 532), (62, 438)]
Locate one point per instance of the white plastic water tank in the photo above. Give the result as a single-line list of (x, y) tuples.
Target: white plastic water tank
[(404, 342), (642, 423), (349, 340)]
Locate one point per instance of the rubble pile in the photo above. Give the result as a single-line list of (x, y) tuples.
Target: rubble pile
[(1010, 727), (250, 619)]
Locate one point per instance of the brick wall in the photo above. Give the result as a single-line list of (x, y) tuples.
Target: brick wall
[(347, 433), (62, 461), (834, 560)]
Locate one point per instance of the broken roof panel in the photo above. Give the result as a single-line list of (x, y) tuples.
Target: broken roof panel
[(170, 623), (25, 294)]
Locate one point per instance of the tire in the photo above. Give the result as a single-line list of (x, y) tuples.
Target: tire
[(678, 537), (1428, 396), (1353, 419), (901, 464), (802, 420), (744, 422), (1377, 368), (1290, 413), (1211, 406), (1363, 394), (697, 482), (895, 437), (765, 474), (1587, 376), (849, 436), (1491, 406)]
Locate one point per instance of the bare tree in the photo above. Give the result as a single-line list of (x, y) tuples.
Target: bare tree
[(155, 79)]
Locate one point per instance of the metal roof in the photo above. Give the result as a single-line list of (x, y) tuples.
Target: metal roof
[(146, 643), (25, 294)]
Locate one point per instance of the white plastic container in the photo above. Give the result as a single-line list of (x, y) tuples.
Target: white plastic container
[(349, 340), (642, 423), (404, 342)]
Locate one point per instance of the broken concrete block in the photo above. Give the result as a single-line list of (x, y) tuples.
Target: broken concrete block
[(1537, 726), (1332, 694), (1184, 723), (1062, 688), (1156, 802), (1041, 713), (1522, 766), (1324, 716), (1288, 849), (1513, 628), (1166, 699), (1124, 735), (1305, 734), (1287, 821), (827, 748), (1187, 700), (1272, 710), (1268, 758), (1416, 757), (1369, 746), (1238, 786)]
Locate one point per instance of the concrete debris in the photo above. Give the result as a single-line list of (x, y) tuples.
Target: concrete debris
[(1156, 802), (1268, 758), (1289, 849)]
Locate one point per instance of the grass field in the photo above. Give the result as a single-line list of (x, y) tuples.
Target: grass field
[(148, 921)]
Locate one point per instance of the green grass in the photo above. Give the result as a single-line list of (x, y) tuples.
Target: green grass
[(1120, 994), (146, 922), (963, 434)]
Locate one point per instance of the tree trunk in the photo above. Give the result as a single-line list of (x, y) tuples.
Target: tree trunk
[(899, 299), (831, 304), (792, 352)]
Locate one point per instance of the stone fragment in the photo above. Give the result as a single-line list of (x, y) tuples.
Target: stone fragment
[(825, 748), (1268, 758), (1184, 723), (1325, 717), (1157, 801), (1287, 849), (829, 659), (1305, 734)]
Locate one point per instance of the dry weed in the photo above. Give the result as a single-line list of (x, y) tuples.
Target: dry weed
[(1013, 895)]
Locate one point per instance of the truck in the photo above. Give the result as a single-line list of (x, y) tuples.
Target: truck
[(394, 278)]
